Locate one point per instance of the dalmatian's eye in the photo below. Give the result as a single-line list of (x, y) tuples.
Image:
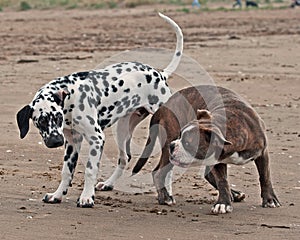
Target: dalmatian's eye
[(58, 119), (43, 123)]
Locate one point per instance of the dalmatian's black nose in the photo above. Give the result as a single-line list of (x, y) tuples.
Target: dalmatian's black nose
[(55, 141)]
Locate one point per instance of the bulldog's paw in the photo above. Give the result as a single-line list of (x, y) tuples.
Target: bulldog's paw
[(271, 202), (220, 208), (86, 202), (164, 198), (101, 186), (52, 198)]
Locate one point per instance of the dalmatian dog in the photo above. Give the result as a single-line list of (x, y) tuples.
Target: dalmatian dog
[(81, 105)]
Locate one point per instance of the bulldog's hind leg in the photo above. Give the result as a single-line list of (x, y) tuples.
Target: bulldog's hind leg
[(125, 128), (269, 198)]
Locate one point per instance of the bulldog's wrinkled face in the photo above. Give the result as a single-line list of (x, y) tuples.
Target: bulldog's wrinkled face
[(200, 143), (47, 116), (192, 148)]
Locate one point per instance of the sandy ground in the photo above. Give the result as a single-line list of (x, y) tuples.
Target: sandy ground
[(255, 53)]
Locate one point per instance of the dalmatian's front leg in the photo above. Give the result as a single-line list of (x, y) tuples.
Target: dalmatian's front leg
[(96, 142), (72, 149)]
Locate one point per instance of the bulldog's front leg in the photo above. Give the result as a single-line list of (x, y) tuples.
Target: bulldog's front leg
[(269, 198), (96, 142), (72, 149), (223, 204)]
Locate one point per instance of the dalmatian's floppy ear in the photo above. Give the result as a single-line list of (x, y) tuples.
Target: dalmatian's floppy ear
[(23, 117), (60, 96)]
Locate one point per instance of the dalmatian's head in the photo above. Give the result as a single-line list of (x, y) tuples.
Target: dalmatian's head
[(46, 112)]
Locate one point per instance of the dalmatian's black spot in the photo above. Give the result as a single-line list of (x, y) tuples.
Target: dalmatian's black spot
[(104, 122), (136, 100), (156, 83), (178, 54), (114, 89), (91, 101), (127, 90), (126, 102), (111, 107), (82, 97), (74, 158), (119, 109), (69, 150), (105, 74), (83, 75), (105, 83), (102, 110), (86, 88), (148, 78), (153, 99), (155, 74), (117, 103), (119, 70), (92, 121), (163, 91), (94, 138), (81, 107), (121, 83), (128, 69), (71, 166), (139, 85), (89, 164), (114, 78)]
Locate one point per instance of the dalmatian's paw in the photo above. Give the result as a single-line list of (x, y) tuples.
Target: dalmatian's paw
[(237, 196), (101, 186), (164, 198), (52, 198), (220, 208), (86, 202)]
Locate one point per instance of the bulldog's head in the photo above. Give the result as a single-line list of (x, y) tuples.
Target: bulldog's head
[(200, 143)]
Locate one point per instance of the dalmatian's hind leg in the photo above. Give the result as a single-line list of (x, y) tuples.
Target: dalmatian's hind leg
[(125, 128)]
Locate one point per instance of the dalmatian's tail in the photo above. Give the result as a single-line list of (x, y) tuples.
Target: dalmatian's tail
[(179, 47)]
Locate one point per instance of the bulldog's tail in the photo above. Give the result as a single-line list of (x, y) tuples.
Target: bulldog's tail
[(179, 47), (153, 133)]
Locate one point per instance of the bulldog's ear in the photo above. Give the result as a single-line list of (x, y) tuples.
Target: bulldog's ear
[(219, 138), (203, 114), (59, 97), (23, 117)]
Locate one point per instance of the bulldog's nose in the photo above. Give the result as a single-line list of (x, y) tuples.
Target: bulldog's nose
[(55, 141), (172, 147)]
